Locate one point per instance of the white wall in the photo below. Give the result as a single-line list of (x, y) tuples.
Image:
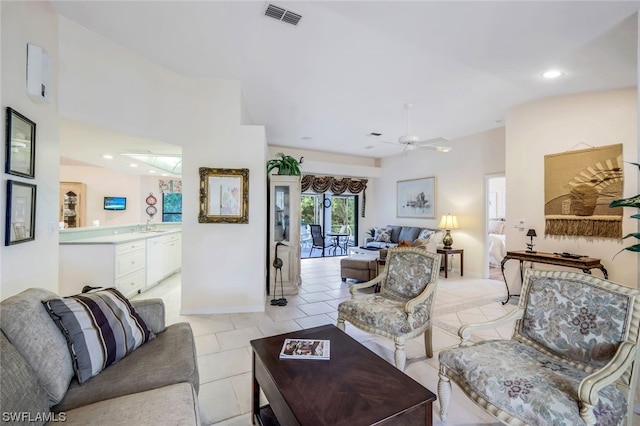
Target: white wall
[(459, 190), (22, 23), (559, 124), (105, 85), (102, 183)]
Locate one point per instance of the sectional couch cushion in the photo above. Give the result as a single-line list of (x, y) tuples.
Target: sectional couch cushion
[(408, 233), (27, 325), (100, 327), (168, 359), (169, 405)]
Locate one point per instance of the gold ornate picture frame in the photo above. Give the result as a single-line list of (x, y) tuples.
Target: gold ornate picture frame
[(224, 195)]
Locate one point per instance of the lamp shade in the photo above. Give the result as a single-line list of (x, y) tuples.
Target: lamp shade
[(448, 221), (531, 233)]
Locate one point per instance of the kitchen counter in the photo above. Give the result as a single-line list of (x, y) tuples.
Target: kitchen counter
[(124, 237)]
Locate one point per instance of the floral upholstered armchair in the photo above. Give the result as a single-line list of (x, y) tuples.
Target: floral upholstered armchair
[(404, 306), (571, 359)]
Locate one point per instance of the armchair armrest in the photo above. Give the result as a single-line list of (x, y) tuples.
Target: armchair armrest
[(411, 304), (465, 331), (367, 240), (152, 313), (368, 284), (591, 385)]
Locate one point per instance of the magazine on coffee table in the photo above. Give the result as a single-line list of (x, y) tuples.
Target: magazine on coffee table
[(305, 349)]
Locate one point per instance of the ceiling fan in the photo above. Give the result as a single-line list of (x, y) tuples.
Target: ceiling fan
[(411, 142)]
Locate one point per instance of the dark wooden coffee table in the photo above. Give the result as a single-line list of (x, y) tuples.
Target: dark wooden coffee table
[(354, 387)]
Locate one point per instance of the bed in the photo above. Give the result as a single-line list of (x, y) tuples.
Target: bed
[(497, 246)]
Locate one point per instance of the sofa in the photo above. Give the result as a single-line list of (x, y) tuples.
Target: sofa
[(391, 235), (156, 383)]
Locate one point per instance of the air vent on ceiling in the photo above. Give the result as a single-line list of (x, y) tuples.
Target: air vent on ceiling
[(282, 14)]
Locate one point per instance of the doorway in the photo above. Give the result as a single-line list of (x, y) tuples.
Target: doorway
[(337, 214), (496, 245)]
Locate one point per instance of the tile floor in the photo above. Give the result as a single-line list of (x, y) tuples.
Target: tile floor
[(224, 354)]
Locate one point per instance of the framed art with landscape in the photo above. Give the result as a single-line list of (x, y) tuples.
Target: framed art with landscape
[(416, 198), (224, 195)]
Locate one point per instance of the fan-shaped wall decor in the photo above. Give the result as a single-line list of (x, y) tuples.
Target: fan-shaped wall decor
[(579, 185)]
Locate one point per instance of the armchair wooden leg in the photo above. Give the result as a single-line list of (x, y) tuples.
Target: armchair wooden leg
[(428, 338), (586, 412), (400, 355), (444, 395), (340, 324)]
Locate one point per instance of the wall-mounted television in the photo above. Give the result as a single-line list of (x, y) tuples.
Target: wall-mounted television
[(115, 203)]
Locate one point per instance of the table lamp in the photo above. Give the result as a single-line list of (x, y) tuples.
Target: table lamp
[(531, 233), (448, 222)]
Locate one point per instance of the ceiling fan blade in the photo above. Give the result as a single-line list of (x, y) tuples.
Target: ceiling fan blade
[(438, 148), (432, 141)]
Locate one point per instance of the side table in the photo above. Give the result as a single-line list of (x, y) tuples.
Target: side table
[(452, 251)]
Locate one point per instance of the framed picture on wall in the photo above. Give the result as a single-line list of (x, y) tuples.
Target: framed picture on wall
[(21, 213), (416, 198), (20, 145), (224, 195)]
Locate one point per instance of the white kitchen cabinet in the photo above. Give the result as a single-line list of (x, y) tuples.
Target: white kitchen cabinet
[(163, 257), (120, 265), (155, 260), (172, 253)]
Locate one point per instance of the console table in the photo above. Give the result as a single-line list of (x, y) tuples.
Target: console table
[(586, 264)]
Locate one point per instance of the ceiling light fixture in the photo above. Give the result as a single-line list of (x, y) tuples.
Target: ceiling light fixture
[(552, 74), (133, 165), (107, 157)]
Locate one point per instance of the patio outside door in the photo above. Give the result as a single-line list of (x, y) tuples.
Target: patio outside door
[(335, 213)]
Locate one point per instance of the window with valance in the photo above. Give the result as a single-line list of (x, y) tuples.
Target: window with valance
[(337, 186)]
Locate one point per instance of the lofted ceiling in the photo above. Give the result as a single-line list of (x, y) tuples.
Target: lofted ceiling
[(348, 67)]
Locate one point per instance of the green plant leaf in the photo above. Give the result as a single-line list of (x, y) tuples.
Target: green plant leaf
[(635, 234), (635, 216), (627, 202)]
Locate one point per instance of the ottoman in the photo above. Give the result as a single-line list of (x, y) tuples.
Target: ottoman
[(361, 268)]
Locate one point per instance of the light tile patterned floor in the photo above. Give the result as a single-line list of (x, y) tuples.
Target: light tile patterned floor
[(224, 354)]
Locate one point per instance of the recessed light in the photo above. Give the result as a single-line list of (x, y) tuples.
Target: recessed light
[(306, 138), (133, 165), (152, 171), (107, 157), (374, 134), (552, 74), (164, 174), (369, 147)]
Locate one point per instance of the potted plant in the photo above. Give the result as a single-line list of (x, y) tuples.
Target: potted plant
[(286, 165), (630, 202)]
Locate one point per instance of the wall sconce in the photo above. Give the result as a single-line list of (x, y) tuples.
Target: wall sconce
[(531, 233), (448, 222)]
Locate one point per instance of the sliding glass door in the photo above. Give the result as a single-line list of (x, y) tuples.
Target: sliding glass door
[(335, 213)]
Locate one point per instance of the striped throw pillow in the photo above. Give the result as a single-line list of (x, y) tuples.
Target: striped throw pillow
[(100, 327)]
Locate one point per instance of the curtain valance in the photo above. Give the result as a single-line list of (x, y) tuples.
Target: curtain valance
[(337, 186)]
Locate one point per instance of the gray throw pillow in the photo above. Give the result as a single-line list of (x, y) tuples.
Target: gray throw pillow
[(101, 328)]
